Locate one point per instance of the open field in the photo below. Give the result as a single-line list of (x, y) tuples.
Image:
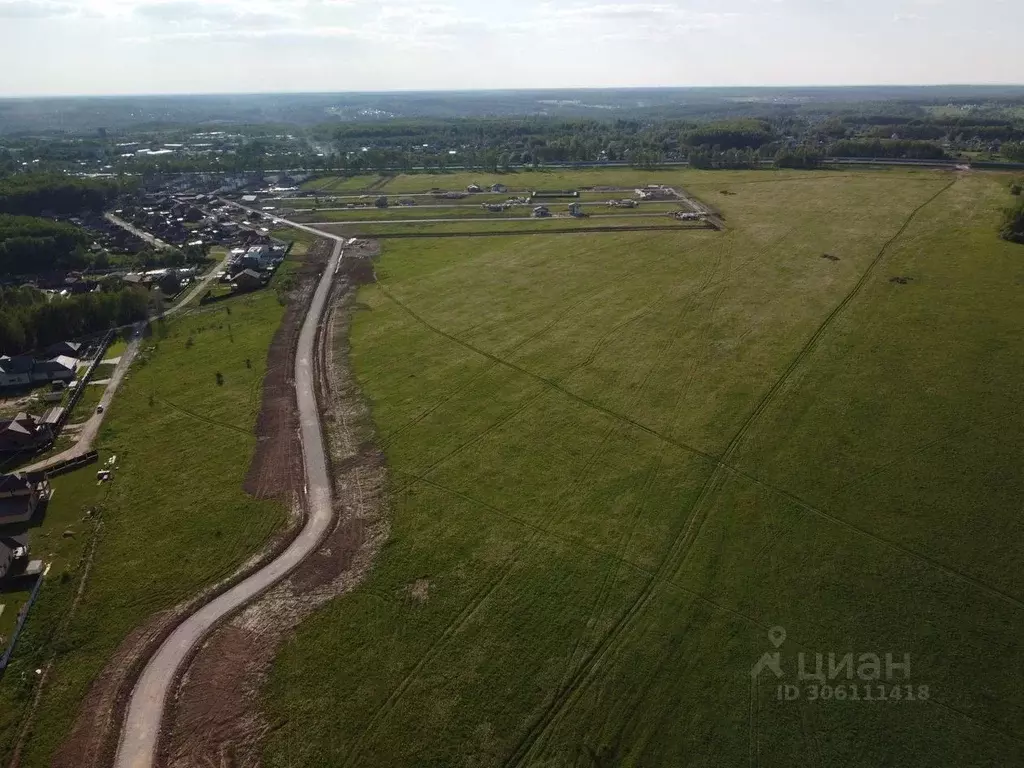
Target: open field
[(418, 213), (341, 184), (570, 178), (470, 226), (423, 199), (174, 520), (618, 460), (399, 213)]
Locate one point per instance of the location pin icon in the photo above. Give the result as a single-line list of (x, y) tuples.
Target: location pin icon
[(777, 635)]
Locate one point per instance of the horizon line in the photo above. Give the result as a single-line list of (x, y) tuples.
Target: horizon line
[(549, 89)]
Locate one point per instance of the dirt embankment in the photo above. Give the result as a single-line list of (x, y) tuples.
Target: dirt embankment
[(276, 472), (215, 717)]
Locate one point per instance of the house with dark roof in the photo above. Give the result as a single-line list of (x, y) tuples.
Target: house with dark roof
[(23, 433), (13, 552), (248, 280), (61, 368), (16, 371), (65, 349), (20, 497)]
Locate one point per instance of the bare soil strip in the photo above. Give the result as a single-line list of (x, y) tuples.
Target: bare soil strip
[(215, 716), (92, 741)]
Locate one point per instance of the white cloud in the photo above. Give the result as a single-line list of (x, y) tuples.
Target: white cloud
[(33, 9)]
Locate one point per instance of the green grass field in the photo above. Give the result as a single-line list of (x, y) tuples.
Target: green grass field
[(618, 460), (523, 181), (340, 184), (470, 226), (416, 213), (175, 518)]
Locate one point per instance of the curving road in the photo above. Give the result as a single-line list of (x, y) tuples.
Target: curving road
[(141, 729)]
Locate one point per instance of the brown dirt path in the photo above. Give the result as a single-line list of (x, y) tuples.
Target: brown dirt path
[(215, 717), (92, 740)]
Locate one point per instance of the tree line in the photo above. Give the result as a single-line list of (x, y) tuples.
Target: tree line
[(30, 245), (34, 194), (29, 319)]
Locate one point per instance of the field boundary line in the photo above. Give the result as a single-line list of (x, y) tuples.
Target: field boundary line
[(550, 383), (698, 519)]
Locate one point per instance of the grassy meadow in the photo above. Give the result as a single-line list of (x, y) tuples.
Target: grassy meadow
[(619, 459), (175, 518), (471, 212)]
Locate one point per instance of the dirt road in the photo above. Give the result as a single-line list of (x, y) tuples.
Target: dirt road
[(141, 730)]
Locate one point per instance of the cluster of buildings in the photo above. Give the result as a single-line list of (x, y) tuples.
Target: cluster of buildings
[(59, 362), (171, 281), (656, 192), (498, 188), (163, 218), (21, 495), (28, 434), (249, 269)]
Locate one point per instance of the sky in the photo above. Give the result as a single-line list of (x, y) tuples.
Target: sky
[(72, 47)]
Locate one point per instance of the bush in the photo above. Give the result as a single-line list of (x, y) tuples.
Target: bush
[(1013, 224)]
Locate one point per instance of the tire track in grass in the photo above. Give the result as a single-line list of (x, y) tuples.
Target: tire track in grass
[(649, 480), (389, 439), (504, 419), (481, 596), (572, 372), (575, 542), (722, 465), (462, 619), (551, 383), (204, 419), (526, 746), (683, 541), (809, 346)]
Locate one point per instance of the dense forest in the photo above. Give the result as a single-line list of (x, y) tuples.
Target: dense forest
[(30, 319), (34, 194), (30, 245)]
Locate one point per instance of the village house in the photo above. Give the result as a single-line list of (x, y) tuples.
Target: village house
[(13, 551), (24, 433), (16, 371), (259, 256), (20, 497), (23, 371), (61, 368), (64, 348), (248, 280)]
